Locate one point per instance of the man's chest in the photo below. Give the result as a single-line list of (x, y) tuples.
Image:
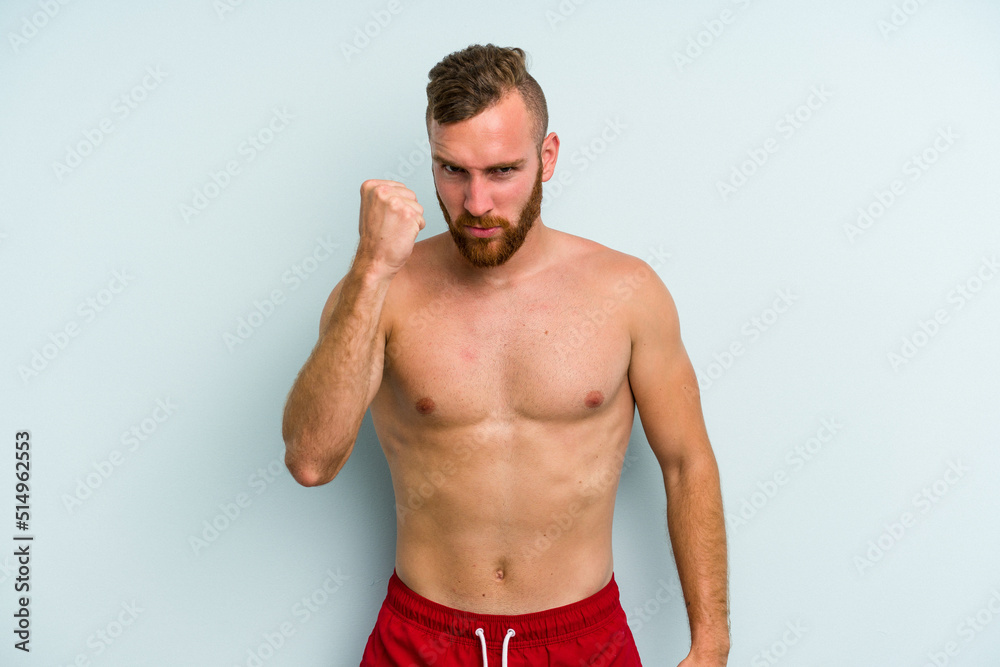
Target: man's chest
[(548, 355)]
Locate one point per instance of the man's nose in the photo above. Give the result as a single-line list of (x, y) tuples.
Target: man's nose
[(478, 201)]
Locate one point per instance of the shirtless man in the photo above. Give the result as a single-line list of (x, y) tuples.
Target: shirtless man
[(502, 363)]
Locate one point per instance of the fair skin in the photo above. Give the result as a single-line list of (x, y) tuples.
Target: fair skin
[(504, 397)]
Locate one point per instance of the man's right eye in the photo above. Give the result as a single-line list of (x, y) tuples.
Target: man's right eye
[(451, 169)]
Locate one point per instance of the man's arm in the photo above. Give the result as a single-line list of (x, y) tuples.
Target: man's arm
[(342, 375), (666, 393), (339, 380)]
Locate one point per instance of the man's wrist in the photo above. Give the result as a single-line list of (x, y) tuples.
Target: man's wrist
[(711, 648), (370, 271)]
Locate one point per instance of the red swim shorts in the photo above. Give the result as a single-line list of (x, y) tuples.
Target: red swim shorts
[(412, 631)]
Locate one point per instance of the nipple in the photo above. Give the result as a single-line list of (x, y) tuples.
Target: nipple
[(594, 399), (425, 405)]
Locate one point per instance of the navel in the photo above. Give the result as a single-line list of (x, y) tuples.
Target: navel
[(594, 399), (499, 575), (425, 405)]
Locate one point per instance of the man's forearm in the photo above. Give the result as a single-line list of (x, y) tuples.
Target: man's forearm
[(329, 397), (698, 534)]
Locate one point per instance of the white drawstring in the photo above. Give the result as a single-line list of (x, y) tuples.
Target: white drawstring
[(506, 640), (482, 638), (510, 633)]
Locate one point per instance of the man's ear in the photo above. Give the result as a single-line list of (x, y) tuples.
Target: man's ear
[(550, 152)]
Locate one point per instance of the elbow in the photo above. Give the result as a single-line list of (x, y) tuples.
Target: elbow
[(302, 471), (304, 474), (698, 466), (307, 471)]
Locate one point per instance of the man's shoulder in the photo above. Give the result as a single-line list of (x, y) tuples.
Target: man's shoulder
[(602, 262), (621, 282)]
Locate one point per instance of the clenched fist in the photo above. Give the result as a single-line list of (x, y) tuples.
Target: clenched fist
[(390, 220)]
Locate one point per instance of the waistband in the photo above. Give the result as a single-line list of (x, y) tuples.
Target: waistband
[(538, 627)]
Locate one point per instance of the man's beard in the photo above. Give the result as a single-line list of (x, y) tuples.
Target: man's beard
[(495, 250)]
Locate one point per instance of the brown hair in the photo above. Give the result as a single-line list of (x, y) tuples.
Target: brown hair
[(470, 81)]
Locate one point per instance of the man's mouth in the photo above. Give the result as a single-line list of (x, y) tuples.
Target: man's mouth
[(482, 232)]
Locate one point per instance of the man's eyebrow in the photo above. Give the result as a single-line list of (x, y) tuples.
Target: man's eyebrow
[(500, 165)]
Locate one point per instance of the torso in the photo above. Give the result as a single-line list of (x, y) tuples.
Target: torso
[(504, 416)]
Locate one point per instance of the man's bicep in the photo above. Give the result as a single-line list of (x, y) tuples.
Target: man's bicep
[(663, 380)]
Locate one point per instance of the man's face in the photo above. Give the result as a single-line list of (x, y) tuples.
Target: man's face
[(498, 240), (484, 179)]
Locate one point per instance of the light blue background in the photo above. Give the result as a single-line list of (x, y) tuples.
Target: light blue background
[(650, 188)]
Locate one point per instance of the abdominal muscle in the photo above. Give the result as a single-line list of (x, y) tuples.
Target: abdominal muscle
[(506, 516)]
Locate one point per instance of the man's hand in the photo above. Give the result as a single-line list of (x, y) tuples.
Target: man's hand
[(389, 223), (716, 659)]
